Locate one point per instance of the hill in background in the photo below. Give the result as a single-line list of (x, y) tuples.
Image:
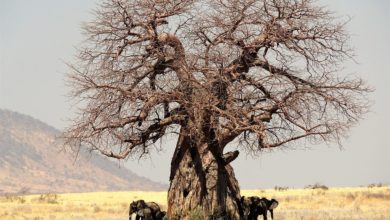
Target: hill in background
[(31, 160)]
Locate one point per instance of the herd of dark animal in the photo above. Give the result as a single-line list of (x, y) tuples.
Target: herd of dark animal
[(252, 208)]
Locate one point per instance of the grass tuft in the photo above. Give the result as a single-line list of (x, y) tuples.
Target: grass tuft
[(303, 204)]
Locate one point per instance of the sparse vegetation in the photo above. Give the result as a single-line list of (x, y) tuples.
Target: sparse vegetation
[(317, 186), (48, 198), (334, 203), (13, 198), (281, 188), (372, 185)]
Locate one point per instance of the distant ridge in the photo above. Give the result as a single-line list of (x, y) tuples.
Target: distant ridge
[(31, 161)]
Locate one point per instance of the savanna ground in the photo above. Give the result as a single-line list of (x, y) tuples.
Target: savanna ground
[(333, 203)]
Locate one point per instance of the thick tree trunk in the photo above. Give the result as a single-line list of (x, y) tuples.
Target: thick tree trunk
[(202, 184)]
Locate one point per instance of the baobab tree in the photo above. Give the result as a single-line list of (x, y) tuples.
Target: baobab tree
[(265, 73)]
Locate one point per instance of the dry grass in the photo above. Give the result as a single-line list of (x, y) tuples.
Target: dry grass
[(335, 203), (311, 204)]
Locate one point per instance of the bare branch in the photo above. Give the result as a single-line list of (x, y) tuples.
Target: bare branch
[(267, 73)]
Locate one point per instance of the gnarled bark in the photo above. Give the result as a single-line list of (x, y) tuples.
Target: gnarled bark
[(203, 181)]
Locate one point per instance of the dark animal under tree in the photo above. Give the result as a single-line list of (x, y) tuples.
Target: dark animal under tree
[(263, 206), (262, 72), (145, 210), (253, 206)]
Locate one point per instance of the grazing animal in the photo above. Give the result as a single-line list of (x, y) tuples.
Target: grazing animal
[(145, 210), (254, 206), (265, 205)]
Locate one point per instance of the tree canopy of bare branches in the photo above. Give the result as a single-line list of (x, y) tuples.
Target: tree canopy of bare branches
[(264, 72)]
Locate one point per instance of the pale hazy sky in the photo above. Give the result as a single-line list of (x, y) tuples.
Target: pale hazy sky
[(36, 37)]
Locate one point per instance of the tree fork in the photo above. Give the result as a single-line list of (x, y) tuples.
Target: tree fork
[(201, 181)]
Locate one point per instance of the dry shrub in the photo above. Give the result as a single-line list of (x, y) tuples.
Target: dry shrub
[(318, 192), (51, 198), (317, 186), (13, 198), (281, 188), (372, 185)]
